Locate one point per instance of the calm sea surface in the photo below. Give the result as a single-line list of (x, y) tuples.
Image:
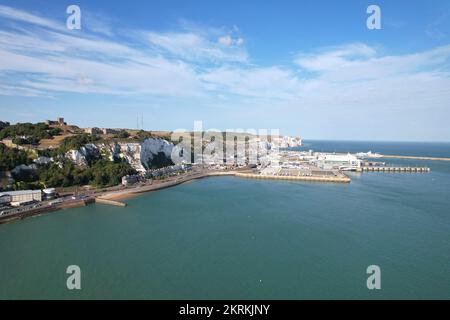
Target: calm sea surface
[(232, 238)]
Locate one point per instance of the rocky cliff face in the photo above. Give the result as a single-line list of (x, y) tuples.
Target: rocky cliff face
[(82, 156), (287, 142), (140, 155), (156, 151)]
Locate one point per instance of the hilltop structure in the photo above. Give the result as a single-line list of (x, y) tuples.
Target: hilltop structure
[(59, 122)]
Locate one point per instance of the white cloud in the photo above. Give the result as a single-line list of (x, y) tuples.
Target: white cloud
[(192, 46), (19, 15), (258, 82), (359, 61), (335, 58), (226, 40), (98, 23)]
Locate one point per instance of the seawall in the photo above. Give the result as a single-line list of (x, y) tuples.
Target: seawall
[(110, 202), (415, 158), (342, 179)]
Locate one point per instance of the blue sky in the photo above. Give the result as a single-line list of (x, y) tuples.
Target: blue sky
[(308, 68)]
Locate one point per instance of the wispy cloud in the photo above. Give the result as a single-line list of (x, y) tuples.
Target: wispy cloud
[(435, 29), (359, 61), (333, 58), (29, 18), (195, 47), (98, 23)]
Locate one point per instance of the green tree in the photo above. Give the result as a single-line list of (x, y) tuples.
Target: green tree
[(31, 133), (123, 134), (12, 157)]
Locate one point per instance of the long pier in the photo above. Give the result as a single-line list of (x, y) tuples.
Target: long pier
[(396, 169), (415, 158), (332, 179)]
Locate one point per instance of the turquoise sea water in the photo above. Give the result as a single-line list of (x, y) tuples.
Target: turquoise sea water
[(232, 238)]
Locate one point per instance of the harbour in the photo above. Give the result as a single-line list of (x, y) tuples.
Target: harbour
[(228, 152), (301, 166), (244, 239)]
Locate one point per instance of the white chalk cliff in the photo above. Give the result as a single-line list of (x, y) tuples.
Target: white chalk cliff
[(138, 154), (79, 157)]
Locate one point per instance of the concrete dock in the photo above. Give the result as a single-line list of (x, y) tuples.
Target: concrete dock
[(415, 158), (332, 179), (396, 169)]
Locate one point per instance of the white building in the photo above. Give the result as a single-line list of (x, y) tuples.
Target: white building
[(339, 161), (4, 199), (93, 130), (18, 198), (49, 193), (130, 179)]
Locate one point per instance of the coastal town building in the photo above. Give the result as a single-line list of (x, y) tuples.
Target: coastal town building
[(49, 193), (339, 161), (5, 199), (94, 130), (109, 131), (168, 171), (104, 131), (130, 179), (18, 198)]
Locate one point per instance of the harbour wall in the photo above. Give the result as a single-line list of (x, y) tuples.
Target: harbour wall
[(335, 179)]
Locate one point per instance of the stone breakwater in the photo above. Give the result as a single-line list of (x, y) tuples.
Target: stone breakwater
[(415, 158), (332, 179)]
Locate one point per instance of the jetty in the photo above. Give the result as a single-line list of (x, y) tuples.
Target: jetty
[(395, 169), (333, 179), (110, 202), (415, 158)]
